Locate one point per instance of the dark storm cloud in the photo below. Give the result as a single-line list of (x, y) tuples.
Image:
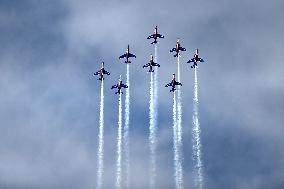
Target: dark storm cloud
[(49, 100)]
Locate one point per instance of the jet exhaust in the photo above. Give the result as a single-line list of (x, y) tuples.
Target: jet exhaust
[(119, 145), (156, 85), (126, 130), (152, 135), (196, 139), (153, 114), (179, 107), (179, 128), (100, 155), (156, 78), (175, 143)]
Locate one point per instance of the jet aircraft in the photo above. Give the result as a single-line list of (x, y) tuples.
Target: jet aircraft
[(195, 59), (119, 86), (127, 55), (151, 64), (155, 36), (101, 72), (173, 84), (177, 49)]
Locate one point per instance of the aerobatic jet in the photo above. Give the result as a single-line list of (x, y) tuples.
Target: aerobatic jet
[(155, 36), (119, 86), (195, 59), (127, 55), (177, 49), (173, 84), (151, 64), (101, 72)]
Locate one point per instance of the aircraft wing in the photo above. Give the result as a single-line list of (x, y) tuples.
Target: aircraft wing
[(123, 85), (151, 36), (146, 65), (182, 49), (97, 73), (106, 72), (191, 60), (156, 64), (131, 55), (178, 83), (114, 86), (169, 84), (201, 60), (122, 56), (160, 36), (173, 49)]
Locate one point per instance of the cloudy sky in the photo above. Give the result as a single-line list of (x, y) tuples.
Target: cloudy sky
[(49, 99)]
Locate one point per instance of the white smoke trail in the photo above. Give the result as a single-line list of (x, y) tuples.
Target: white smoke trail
[(179, 129), (119, 143), (156, 78), (152, 136), (126, 130), (101, 141), (175, 142), (156, 96), (196, 131), (153, 115)]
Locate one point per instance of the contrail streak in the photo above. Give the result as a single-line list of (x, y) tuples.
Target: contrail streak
[(179, 129), (179, 107), (176, 156), (126, 129), (153, 115), (156, 96), (196, 131), (152, 136), (100, 154), (156, 78), (119, 143)]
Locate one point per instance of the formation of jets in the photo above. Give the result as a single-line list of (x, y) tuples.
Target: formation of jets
[(151, 64), (127, 55)]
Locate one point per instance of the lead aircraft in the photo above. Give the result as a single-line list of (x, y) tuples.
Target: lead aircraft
[(155, 36)]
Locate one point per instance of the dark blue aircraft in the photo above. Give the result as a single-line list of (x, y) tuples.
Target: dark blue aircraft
[(177, 49), (101, 72), (119, 86), (195, 59), (151, 64), (173, 84), (127, 55), (155, 36)]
